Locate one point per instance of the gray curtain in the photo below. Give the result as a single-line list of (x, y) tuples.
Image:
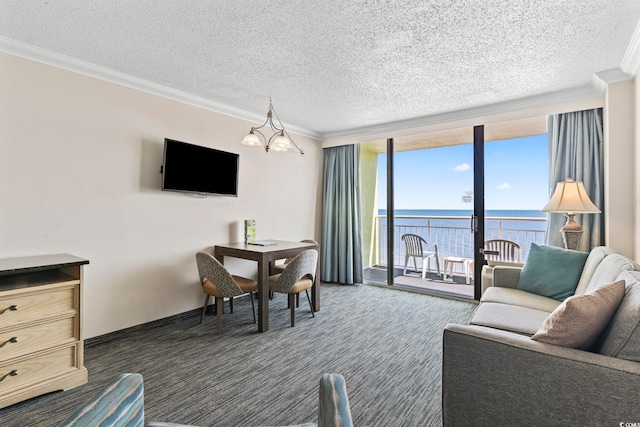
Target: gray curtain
[(576, 150), (341, 244)]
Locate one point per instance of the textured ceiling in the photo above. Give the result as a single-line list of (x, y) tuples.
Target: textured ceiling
[(337, 66)]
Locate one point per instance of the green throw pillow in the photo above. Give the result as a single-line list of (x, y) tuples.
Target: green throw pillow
[(552, 272)]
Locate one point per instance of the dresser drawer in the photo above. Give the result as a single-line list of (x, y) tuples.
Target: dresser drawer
[(38, 368), (27, 339), (32, 306)]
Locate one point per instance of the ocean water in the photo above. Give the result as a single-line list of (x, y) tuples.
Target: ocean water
[(451, 229), (465, 215)]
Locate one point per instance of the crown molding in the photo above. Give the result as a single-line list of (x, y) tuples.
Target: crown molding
[(365, 133), (631, 61), (68, 63), (47, 57), (613, 75)]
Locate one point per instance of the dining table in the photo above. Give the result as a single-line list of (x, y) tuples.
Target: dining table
[(265, 253)]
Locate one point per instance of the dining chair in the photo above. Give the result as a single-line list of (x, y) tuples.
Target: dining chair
[(279, 268), (507, 250), (415, 248), (217, 282), (298, 276)]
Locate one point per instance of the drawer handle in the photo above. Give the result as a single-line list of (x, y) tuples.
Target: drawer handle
[(11, 308), (10, 374), (10, 340)]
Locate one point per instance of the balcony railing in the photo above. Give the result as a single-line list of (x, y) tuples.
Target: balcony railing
[(453, 234)]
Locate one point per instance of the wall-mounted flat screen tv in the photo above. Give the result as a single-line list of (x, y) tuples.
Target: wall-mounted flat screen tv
[(190, 168)]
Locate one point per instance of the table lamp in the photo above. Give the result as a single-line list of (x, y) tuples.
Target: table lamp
[(570, 198)]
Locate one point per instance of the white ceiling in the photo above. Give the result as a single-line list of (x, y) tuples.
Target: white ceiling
[(332, 67)]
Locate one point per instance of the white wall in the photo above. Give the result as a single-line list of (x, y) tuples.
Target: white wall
[(636, 180), (619, 168), (79, 173)]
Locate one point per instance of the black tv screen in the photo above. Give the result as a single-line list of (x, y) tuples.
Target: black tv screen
[(190, 168)]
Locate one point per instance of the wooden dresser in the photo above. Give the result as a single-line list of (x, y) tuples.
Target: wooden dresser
[(41, 346)]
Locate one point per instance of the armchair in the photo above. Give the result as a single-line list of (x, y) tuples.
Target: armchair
[(121, 404)]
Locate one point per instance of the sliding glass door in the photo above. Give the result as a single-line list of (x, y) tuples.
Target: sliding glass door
[(516, 182), (433, 177), (424, 206)]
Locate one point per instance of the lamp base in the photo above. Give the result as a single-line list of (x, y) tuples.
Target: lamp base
[(571, 233), (571, 239)]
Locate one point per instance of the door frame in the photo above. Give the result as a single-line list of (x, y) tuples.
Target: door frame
[(390, 212), (477, 220)]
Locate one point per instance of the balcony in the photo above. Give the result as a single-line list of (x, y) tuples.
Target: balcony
[(454, 238)]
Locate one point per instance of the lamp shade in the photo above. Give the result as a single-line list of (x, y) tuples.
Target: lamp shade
[(570, 197), (282, 142), (251, 139), (278, 148)]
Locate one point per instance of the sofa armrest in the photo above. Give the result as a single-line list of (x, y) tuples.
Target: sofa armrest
[(334, 408), (119, 403), (506, 276), (495, 377)]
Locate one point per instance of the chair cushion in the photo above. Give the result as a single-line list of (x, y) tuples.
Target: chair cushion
[(301, 285), (247, 286), (552, 272), (278, 268), (273, 280), (622, 336), (211, 289), (580, 319)]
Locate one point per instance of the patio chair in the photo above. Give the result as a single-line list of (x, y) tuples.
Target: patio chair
[(507, 250), (415, 248)]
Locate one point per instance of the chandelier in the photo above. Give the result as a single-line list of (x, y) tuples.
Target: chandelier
[(279, 140)]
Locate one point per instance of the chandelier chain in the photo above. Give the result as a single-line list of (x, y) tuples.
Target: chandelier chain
[(283, 128)]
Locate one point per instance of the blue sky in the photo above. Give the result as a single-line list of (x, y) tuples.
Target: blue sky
[(516, 176)]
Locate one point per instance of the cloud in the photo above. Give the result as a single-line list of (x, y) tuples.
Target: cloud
[(504, 186), (462, 167)]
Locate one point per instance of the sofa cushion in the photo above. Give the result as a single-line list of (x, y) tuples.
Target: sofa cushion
[(596, 255), (519, 298), (622, 336), (580, 319), (507, 317), (552, 272), (609, 269)]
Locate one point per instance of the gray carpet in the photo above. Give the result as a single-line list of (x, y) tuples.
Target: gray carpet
[(386, 343)]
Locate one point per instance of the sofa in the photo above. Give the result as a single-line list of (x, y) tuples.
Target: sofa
[(500, 370), (120, 403)]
